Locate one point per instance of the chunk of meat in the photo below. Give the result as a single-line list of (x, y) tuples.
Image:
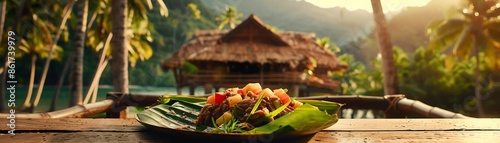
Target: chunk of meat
[(210, 111)]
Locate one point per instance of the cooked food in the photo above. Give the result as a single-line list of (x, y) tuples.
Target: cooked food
[(247, 108)]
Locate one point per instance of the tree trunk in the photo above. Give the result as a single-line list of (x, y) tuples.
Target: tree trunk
[(60, 83), (67, 11), (76, 76), (94, 95), (18, 30), (2, 18), (118, 44), (94, 85), (385, 47), (95, 81), (174, 38), (479, 43), (477, 78), (3, 75), (27, 101)]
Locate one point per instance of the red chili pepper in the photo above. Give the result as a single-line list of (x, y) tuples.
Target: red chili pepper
[(240, 91), (219, 97)]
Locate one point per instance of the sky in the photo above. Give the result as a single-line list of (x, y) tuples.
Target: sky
[(387, 5)]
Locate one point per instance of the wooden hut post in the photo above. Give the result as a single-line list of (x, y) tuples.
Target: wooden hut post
[(294, 90), (191, 89), (208, 88), (178, 88), (262, 74), (177, 81)]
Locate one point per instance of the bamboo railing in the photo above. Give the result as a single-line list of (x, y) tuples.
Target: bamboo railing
[(395, 106), (78, 111), (115, 106)]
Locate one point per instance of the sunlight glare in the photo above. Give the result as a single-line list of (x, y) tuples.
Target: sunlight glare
[(387, 5)]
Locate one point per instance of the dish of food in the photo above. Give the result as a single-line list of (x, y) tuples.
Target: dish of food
[(247, 112)]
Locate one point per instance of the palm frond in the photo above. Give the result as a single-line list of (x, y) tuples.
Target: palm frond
[(463, 45), (492, 55)]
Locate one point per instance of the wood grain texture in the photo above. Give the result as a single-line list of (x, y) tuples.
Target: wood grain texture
[(321, 137), (415, 124), (88, 124), (408, 136), (346, 130), (74, 124)]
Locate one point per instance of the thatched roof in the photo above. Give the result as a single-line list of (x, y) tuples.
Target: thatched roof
[(253, 42)]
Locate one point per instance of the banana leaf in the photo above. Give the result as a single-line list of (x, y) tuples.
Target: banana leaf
[(180, 113)]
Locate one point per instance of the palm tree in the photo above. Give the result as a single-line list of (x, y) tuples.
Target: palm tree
[(476, 28), (138, 29), (230, 16), (13, 8), (385, 47), (35, 49), (36, 41), (76, 75), (195, 12), (53, 47), (60, 83), (2, 22), (118, 45), (103, 61), (325, 43)]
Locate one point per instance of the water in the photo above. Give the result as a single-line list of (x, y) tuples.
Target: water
[(63, 98)]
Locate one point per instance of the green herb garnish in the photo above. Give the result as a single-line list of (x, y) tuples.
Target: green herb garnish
[(255, 106), (277, 111), (229, 127)]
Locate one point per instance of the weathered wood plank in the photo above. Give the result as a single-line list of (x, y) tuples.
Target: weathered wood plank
[(408, 136), (81, 137), (415, 124), (88, 124), (74, 124), (327, 137)]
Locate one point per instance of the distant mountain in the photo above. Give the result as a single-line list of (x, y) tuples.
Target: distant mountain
[(339, 24), (408, 29), (352, 30)]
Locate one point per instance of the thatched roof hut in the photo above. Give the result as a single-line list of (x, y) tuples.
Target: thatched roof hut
[(252, 42)]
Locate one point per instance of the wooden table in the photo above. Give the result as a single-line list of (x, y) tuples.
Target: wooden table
[(87, 130)]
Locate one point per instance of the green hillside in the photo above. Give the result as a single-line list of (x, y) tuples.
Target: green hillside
[(339, 24), (408, 30)]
